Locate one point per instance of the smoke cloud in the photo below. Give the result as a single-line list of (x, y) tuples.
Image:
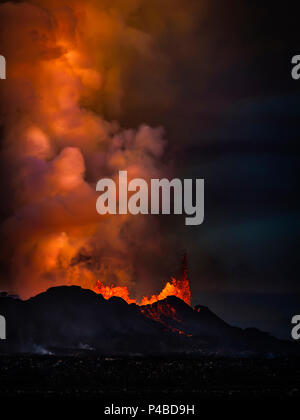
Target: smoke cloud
[(69, 66)]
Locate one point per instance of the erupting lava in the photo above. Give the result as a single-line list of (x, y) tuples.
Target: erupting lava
[(72, 71), (110, 291), (179, 288)]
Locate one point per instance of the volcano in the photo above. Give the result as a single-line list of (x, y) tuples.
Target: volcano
[(69, 318)]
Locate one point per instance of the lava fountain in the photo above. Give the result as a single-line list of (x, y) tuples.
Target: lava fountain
[(179, 288)]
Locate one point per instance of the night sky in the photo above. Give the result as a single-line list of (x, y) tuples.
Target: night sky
[(236, 116), (249, 159)]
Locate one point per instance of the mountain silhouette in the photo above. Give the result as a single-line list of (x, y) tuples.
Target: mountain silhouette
[(69, 318)]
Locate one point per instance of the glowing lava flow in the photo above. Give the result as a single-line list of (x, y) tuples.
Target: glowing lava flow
[(109, 291), (179, 288)]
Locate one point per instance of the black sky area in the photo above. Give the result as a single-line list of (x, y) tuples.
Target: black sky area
[(233, 119), (235, 123)]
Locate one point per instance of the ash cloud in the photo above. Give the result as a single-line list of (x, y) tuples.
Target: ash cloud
[(59, 110)]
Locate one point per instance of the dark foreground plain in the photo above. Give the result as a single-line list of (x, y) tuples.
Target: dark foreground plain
[(167, 379)]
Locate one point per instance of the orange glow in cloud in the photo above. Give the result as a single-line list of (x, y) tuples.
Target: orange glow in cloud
[(66, 60)]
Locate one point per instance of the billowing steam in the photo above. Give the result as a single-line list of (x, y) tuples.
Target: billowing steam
[(65, 66)]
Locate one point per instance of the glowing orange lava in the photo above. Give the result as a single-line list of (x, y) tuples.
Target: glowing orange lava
[(179, 288), (109, 291)]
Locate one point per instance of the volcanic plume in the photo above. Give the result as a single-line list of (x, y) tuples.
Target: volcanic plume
[(66, 65)]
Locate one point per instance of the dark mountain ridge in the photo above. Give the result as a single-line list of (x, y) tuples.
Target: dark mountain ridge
[(69, 317)]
